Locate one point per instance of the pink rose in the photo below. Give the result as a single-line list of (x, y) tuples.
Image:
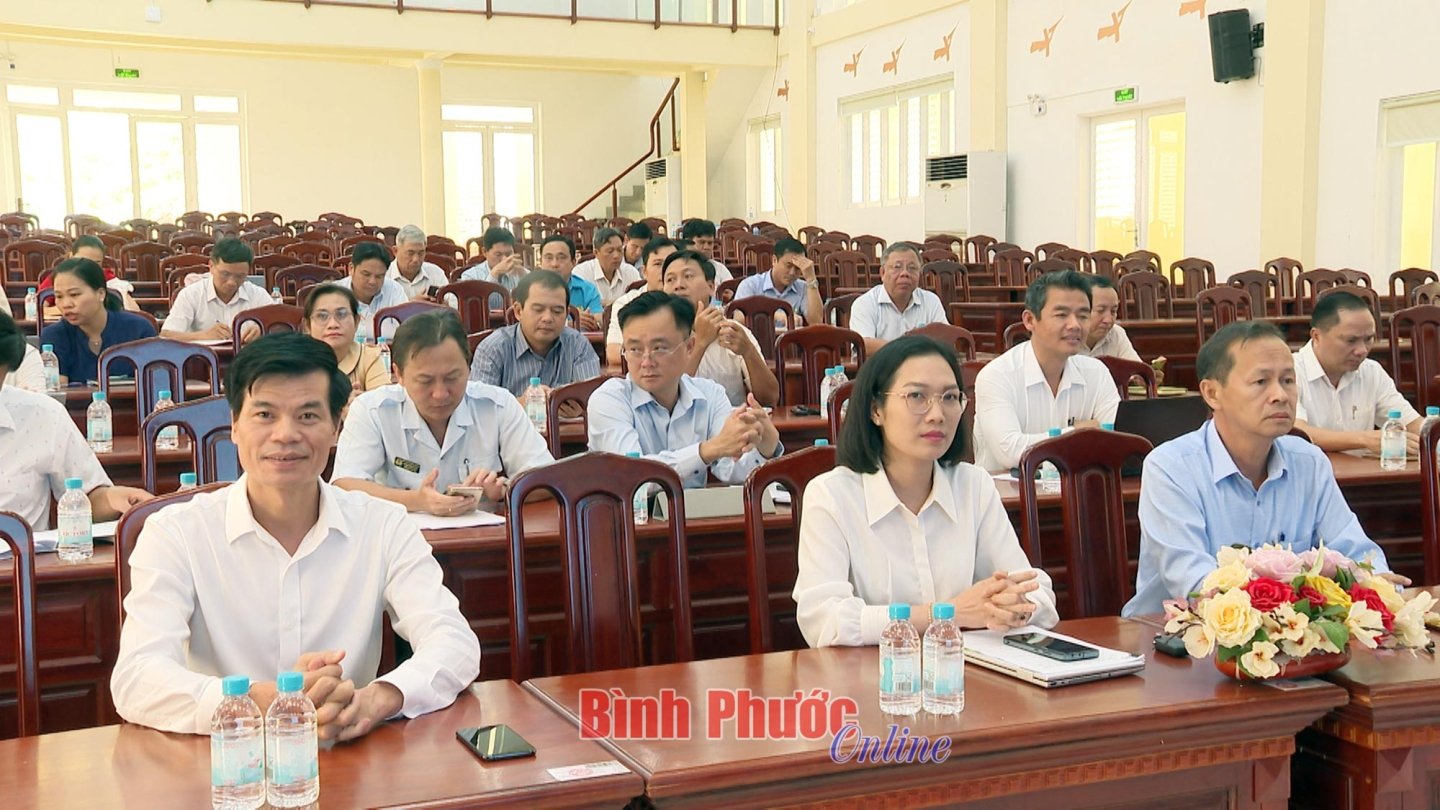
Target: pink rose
[(1334, 561), (1275, 563)]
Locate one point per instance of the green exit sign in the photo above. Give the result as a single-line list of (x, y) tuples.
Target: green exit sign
[(1125, 95), (127, 73)]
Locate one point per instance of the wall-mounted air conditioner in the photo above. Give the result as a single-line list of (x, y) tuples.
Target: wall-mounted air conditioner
[(662, 189), (965, 194)]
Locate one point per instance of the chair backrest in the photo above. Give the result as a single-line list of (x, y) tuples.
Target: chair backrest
[(1425, 294), (1079, 258), (1133, 264), (1014, 335), (848, 271), (947, 279), (1149, 256), (838, 398), (837, 310), (1104, 262), (1421, 325), (1011, 265), (310, 251), (1047, 250), (957, 337), (26, 259), (400, 313), (1145, 294), (206, 421), (1366, 294), (819, 347), (1403, 284), (1040, 267), (976, 248), (1224, 306), (127, 532), (577, 392), (1430, 502), (756, 257), (759, 314), (1309, 285), (473, 301), (159, 365), (808, 234), (1123, 370), (871, 246), (1092, 538), (793, 471), (142, 260), (600, 579), (271, 265), (17, 535), (1191, 276), (270, 318), (1264, 290)]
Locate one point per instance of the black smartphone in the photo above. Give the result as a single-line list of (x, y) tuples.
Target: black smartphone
[(433, 292), (495, 742), (1051, 647), (805, 410)]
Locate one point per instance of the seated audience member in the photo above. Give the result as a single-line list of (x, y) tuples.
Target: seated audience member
[(502, 265), (324, 563), (1105, 337), (1045, 382), (791, 279), (42, 447), (722, 349), (409, 443), (373, 292), (204, 310), (1344, 396), (417, 277), (90, 322), (90, 247), (29, 374), (635, 238), (897, 304), (652, 263), (701, 235), (669, 416), (1239, 479), (330, 318), (902, 519), (557, 254), (608, 271), (539, 345)]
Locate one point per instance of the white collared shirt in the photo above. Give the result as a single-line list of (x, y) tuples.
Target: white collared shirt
[(429, 275), (1115, 344), (1362, 401), (727, 368), (214, 594), (40, 447), (874, 314), (722, 273), (613, 336), (861, 549), (610, 289), (487, 431), (391, 294), (1014, 407), (30, 374), (198, 308)]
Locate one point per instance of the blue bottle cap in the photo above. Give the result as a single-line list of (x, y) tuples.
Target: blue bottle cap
[(98, 396), (942, 610), (1394, 413), (47, 347), (1432, 410), (74, 483), (899, 613), (234, 685), (30, 291), (534, 380), (1053, 432), (633, 454), (188, 479), (290, 682), (163, 393), (1107, 426), (822, 442)]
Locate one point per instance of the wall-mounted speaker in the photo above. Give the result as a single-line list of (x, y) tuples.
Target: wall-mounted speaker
[(1232, 55)]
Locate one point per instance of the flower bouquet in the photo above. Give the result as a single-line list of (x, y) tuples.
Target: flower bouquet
[(1264, 611)]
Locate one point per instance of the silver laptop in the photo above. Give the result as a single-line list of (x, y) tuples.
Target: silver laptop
[(987, 648)]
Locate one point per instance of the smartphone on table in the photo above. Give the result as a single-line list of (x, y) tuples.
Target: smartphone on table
[(495, 742), (1051, 647)]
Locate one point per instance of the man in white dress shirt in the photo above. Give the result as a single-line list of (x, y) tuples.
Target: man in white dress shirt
[(652, 263), (204, 310), (409, 269), (1045, 382), (897, 304), (368, 263), (410, 443), (635, 238), (608, 271), (725, 350), (1344, 395), (280, 571), (1106, 337), (701, 234)]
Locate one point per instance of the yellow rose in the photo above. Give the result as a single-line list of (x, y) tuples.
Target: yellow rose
[(1231, 619), (1231, 554), (1328, 589), (1260, 661), (1226, 577)]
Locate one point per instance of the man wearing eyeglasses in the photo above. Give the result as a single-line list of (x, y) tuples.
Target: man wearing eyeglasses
[(205, 310), (897, 304), (669, 416)]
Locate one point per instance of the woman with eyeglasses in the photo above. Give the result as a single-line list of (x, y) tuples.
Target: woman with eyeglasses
[(330, 317), (902, 519)]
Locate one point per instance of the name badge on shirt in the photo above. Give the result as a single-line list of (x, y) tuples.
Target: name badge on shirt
[(407, 465)]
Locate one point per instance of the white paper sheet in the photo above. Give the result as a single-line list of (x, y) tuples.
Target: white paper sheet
[(476, 518)]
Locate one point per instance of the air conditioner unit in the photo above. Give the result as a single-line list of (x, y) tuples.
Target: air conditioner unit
[(662, 189), (965, 194)]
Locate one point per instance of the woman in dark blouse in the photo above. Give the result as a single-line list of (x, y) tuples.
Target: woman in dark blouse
[(90, 321)]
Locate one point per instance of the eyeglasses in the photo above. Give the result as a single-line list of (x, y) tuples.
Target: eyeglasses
[(339, 315), (920, 403), (658, 353)]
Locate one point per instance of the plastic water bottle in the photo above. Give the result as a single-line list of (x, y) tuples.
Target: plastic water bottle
[(237, 749), (822, 442), (77, 538), (1392, 443), (827, 388), (944, 670), (1432, 414), (840, 379), (98, 424), (188, 481), (640, 501), (1049, 476), (32, 305), (535, 404), (169, 438), (51, 363), (899, 664), (383, 344), (782, 323), (1110, 426), (276, 296), (291, 745)]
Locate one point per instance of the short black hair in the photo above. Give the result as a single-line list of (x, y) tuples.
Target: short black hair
[(1215, 360), (286, 354), (639, 230), (1096, 280), (86, 241), (12, 344), (90, 273), (706, 266), (1327, 310), (604, 235), (331, 288), (563, 239), (899, 247), (861, 443), (497, 236), (654, 245), (366, 251), (422, 331), (696, 228), (1039, 289), (684, 244), (654, 301), (789, 245), (547, 279), (232, 251)]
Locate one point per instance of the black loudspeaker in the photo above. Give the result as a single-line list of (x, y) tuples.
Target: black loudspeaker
[(1231, 53)]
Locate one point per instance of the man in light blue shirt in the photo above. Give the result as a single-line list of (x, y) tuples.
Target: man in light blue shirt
[(1239, 479), (669, 416), (539, 345), (784, 281), (501, 265), (368, 263)]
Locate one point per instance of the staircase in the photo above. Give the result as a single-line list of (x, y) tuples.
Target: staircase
[(631, 203)]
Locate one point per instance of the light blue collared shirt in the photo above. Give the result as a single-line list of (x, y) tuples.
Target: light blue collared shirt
[(624, 418), (764, 284), (506, 359), (1194, 501), (391, 294)]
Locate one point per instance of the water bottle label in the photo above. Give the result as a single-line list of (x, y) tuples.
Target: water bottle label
[(52, 378), (949, 678), (98, 430), (74, 531), (897, 675), (234, 763), (294, 760)]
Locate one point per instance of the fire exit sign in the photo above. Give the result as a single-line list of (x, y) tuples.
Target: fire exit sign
[(1125, 95), (127, 73)]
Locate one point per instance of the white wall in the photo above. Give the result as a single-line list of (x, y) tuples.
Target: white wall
[(748, 100)]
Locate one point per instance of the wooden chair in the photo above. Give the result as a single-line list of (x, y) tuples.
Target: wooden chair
[(1264, 290), (291, 279), (838, 398), (17, 535), (1285, 270), (1191, 276), (577, 392), (1309, 285), (193, 220), (1425, 294), (1403, 284), (445, 262), (932, 254), (158, 364), (1078, 258), (475, 302), (724, 291), (1014, 335), (600, 579), (871, 246), (213, 456), (808, 234), (793, 471), (760, 314), (1047, 250), (849, 272), (1104, 261), (969, 370), (819, 347), (271, 265), (756, 257), (26, 259), (1133, 264), (127, 533), (273, 244), (270, 319), (1421, 327), (141, 260), (837, 310), (1430, 502), (310, 252), (957, 337), (947, 279), (1366, 294), (1145, 295), (1040, 267), (1357, 277), (835, 237), (1224, 306), (192, 243), (977, 248), (1092, 540), (1010, 267), (400, 313), (1150, 257), (1122, 371)]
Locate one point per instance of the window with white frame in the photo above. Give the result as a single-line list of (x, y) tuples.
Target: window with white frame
[(119, 154), (491, 154), (1412, 139), (888, 136), (763, 188)]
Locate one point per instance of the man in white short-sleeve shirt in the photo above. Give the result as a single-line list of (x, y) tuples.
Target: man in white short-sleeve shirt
[(1044, 382), (652, 263), (608, 271), (1105, 337), (409, 268), (701, 233), (372, 289), (725, 350), (206, 309), (897, 304)]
